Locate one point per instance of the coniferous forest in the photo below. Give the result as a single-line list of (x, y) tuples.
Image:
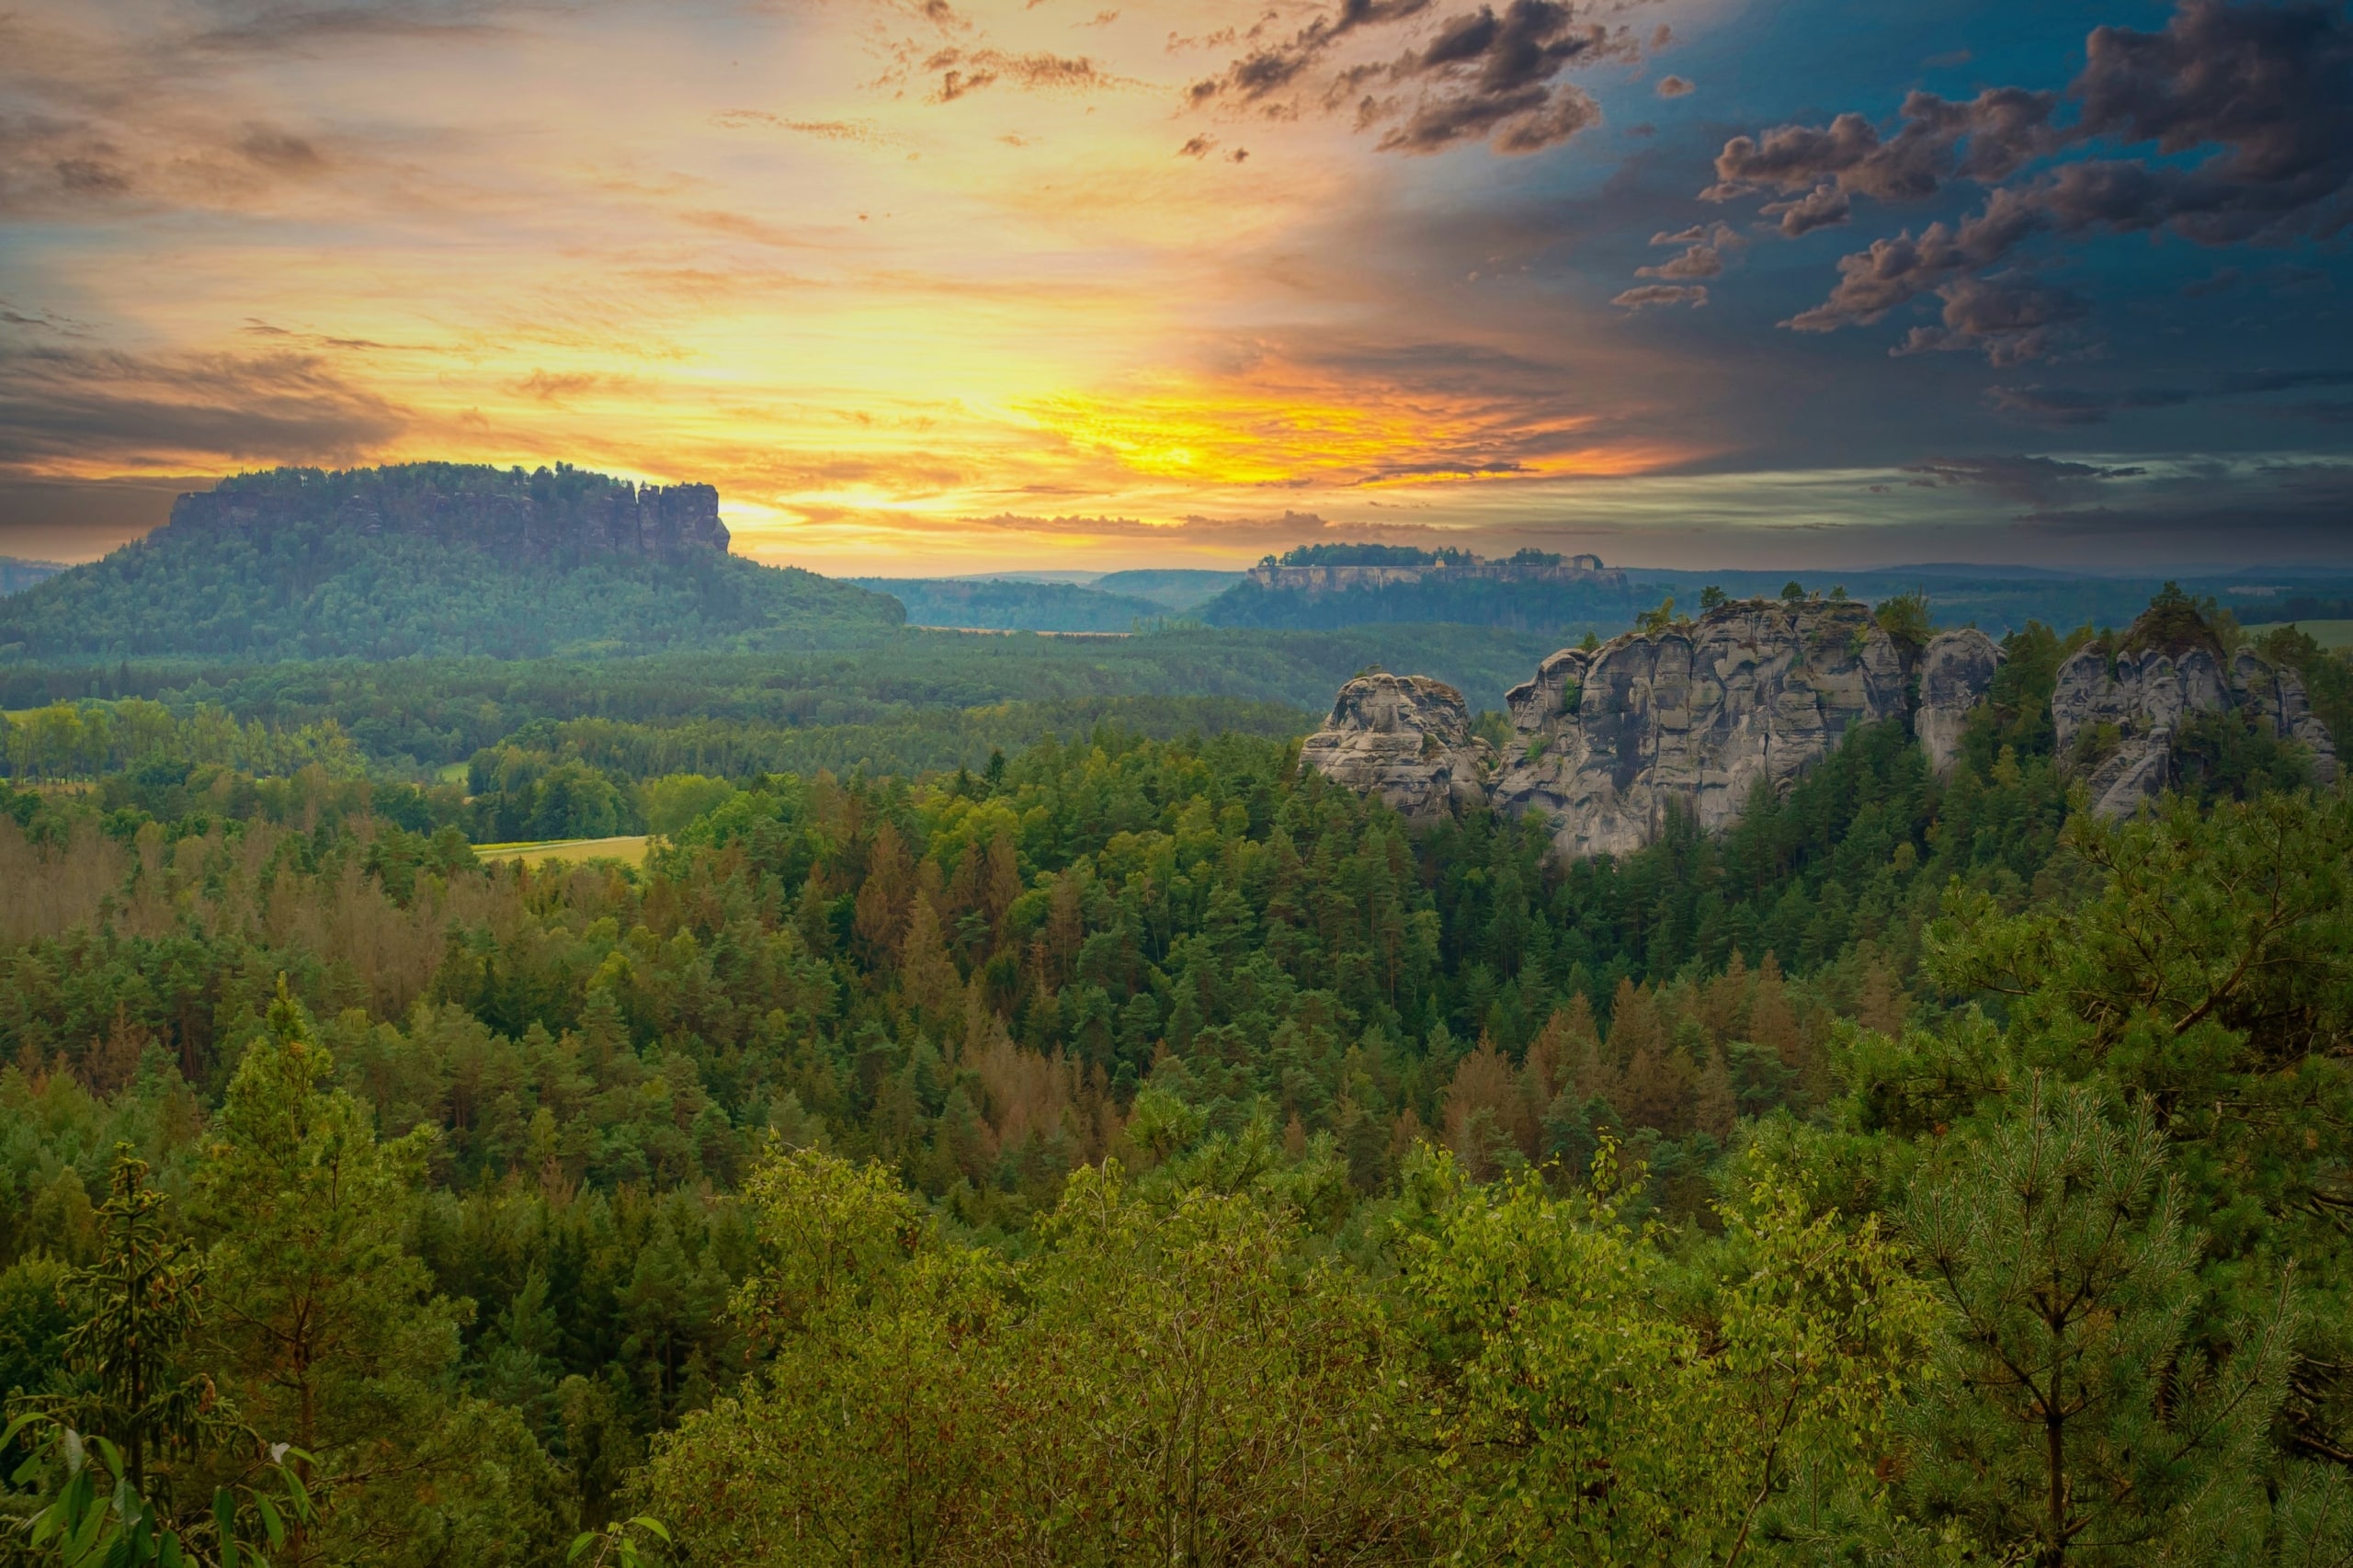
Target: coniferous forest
[(1100, 1141)]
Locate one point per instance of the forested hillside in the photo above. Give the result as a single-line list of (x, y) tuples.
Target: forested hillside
[(433, 559), (1015, 605), (1137, 1149), (17, 576), (898, 703), (1563, 611)]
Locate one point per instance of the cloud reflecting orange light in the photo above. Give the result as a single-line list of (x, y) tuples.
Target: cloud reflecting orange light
[(895, 331)]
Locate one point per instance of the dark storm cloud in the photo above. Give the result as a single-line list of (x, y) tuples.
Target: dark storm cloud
[(1485, 74), (1269, 70), (2218, 513), (1987, 139), (2032, 481), (2075, 405), (264, 25), (1895, 271), (2264, 92), (2010, 318), (68, 405)]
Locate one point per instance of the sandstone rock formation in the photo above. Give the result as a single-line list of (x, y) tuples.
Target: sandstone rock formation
[(1693, 718), (1610, 742), (1955, 670), (2116, 719), (1407, 738), (547, 517)]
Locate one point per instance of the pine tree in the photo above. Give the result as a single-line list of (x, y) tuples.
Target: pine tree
[(2068, 1418)]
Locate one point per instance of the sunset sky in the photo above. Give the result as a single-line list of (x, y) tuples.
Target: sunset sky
[(953, 287)]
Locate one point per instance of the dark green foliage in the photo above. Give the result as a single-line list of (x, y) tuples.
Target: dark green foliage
[(913, 700), (2070, 1421), (1357, 555), (1906, 619), (1015, 605), (1175, 589), (128, 1353), (2327, 677), (1558, 610), (2173, 625)]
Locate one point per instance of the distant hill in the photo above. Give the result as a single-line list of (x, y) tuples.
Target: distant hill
[(1322, 586), (999, 604), (1175, 588), (431, 559), (17, 576)]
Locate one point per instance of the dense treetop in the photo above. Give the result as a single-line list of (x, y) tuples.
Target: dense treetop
[(1132, 1147)]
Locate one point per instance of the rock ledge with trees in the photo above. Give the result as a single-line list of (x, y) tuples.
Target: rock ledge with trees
[(1691, 718)]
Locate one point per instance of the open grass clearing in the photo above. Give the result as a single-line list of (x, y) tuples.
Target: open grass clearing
[(2327, 633), (567, 851)]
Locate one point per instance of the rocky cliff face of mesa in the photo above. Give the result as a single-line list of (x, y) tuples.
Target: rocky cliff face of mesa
[(1407, 739), (548, 518), (2117, 714), (1611, 744)]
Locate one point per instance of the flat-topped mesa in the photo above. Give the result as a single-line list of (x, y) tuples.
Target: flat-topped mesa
[(546, 518), (2117, 711), (1407, 738), (1611, 742)]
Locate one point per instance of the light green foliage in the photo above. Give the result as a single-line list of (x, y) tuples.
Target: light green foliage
[(1581, 1419), (671, 802), (619, 1543), (86, 740), (1159, 1380)]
